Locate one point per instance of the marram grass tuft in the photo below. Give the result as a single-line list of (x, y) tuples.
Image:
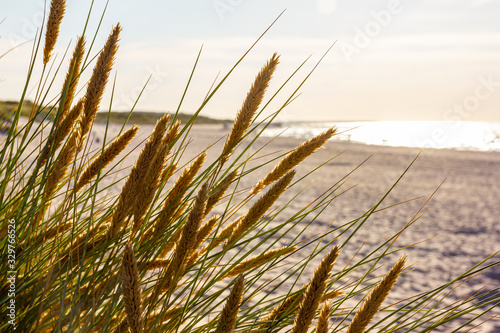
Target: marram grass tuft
[(197, 246)]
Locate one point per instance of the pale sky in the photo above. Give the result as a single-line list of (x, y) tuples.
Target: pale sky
[(393, 60)]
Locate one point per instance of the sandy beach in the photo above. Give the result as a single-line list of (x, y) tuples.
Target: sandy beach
[(459, 227)]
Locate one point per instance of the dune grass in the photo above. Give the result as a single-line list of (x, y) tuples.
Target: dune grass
[(155, 257)]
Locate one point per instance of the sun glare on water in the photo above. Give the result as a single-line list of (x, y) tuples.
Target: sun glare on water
[(482, 136)]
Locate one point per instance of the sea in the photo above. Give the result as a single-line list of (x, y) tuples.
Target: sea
[(459, 135)]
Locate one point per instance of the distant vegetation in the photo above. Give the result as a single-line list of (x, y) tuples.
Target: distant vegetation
[(136, 118), (144, 117)]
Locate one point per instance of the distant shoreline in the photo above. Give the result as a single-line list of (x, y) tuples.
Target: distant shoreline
[(118, 117), (480, 136)]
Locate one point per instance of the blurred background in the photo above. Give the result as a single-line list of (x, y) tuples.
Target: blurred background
[(393, 60)]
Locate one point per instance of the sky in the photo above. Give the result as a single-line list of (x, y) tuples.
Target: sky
[(392, 59)]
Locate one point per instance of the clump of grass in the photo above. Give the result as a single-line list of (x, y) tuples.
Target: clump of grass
[(157, 256)]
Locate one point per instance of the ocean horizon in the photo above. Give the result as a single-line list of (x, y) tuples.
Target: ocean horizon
[(458, 135)]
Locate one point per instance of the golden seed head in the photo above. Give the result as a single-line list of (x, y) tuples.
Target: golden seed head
[(229, 314), (103, 160), (174, 198), (57, 9), (374, 300), (324, 318), (132, 292), (314, 292), (72, 77), (221, 190), (98, 80), (187, 241), (260, 207), (249, 108), (259, 260), (294, 158)]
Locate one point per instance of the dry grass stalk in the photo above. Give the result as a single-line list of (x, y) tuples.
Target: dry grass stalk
[(193, 258), (53, 232), (72, 77), (289, 306), (98, 81), (374, 300), (168, 172), (131, 289), (57, 9), (89, 293), (258, 260), (206, 229), (249, 108), (174, 198), (314, 292), (260, 207), (203, 234), (153, 143), (180, 211), (169, 314), (220, 190), (154, 318), (150, 150), (293, 158), (223, 235), (324, 319), (128, 195), (166, 315), (60, 167), (73, 255), (172, 133), (187, 241), (122, 326), (175, 237), (185, 179), (68, 123), (229, 313), (157, 263), (59, 134), (177, 234), (149, 186), (331, 295), (85, 242), (49, 234), (66, 120), (121, 211), (103, 160)]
